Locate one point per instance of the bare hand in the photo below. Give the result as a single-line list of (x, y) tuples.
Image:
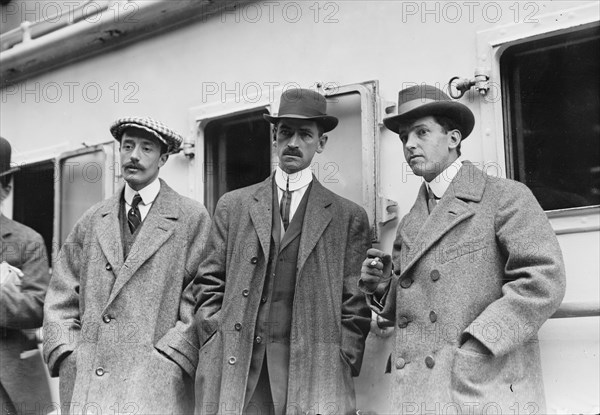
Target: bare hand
[(376, 269), (10, 274)]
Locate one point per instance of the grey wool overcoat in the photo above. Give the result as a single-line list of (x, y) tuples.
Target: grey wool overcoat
[(110, 323), (22, 373), (486, 263), (330, 317)]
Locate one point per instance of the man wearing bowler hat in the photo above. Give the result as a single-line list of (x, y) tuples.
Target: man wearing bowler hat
[(24, 277), (118, 325), (281, 320), (476, 269)]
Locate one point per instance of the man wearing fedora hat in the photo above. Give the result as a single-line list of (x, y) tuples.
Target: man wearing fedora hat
[(118, 325), (24, 277), (476, 270), (281, 321)]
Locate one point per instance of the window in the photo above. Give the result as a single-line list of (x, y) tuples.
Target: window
[(81, 178), (237, 153), (82, 183), (552, 108)]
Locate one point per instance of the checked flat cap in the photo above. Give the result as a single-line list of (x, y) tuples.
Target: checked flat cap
[(167, 136)]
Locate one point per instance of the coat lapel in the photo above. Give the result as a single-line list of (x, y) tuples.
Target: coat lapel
[(260, 213), (415, 218), (157, 228), (316, 219), (423, 230), (109, 231)]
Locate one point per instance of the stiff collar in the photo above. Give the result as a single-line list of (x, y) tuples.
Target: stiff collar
[(297, 180), (440, 184), (148, 193)]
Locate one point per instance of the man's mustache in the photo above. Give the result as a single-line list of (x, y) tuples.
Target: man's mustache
[(292, 152), (133, 165)]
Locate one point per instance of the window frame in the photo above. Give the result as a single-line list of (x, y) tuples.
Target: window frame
[(491, 44)]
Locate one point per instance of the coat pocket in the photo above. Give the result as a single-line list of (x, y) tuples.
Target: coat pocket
[(167, 363), (479, 382)]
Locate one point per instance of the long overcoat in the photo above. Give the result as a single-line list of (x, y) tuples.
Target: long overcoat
[(110, 321), (22, 372), (486, 263), (330, 317)]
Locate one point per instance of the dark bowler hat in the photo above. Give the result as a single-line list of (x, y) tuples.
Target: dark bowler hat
[(304, 104), (5, 153), (164, 134), (424, 100)]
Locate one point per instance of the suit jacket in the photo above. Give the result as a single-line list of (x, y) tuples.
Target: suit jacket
[(330, 318), (120, 332), (23, 379), (486, 263)]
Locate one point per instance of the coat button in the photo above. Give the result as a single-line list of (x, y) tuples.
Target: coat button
[(108, 267), (402, 322), (245, 293), (400, 363), (263, 300), (406, 282), (433, 316), (100, 371), (238, 326), (232, 360), (429, 362), (435, 275), (106, 318), (258, 339), (254, 260)]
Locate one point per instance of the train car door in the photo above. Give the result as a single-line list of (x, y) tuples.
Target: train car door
[(232, 147)]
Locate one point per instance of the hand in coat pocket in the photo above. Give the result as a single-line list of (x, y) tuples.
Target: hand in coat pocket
[(475, 346), (479, 380)]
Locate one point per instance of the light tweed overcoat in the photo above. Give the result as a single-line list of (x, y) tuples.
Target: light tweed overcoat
[(485, 262), (330, 318), (110, 317)]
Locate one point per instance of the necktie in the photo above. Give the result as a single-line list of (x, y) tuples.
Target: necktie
[(284, 206), (134, 218), (431, 201)]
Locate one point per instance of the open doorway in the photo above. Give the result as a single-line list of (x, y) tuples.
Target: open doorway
[(33, 199), (237, 153)]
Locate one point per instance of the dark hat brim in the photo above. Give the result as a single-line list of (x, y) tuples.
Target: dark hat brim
[(460, 113), (328, 122)]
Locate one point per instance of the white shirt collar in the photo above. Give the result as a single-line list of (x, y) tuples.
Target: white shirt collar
[(296, 180), (148, 193), (440, 184)]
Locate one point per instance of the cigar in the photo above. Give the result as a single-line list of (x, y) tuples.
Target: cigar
[(374, 262)]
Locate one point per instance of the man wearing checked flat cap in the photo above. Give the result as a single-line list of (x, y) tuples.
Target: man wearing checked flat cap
[(118, 326), (476, 269), (281, 320)]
